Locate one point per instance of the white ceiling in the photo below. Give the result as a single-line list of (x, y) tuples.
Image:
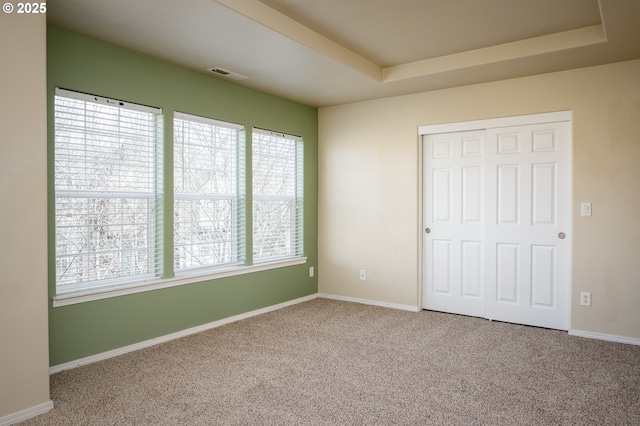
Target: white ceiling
[(328, 52)]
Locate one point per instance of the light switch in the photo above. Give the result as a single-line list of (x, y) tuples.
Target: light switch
[(585, 209)]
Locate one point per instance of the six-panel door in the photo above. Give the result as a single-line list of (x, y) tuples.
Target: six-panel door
[(528, 213), (454, 213)]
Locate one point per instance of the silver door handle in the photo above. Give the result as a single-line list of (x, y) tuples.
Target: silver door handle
[(427, 230), (562, 235)]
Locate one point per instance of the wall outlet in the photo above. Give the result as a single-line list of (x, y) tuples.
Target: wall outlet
[(312, 272), (363, 275), (585, 298)]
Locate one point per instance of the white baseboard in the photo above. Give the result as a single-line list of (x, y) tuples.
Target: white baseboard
[(370, 302), (607, 337), (27, 414), (145, 344), (43, 408)]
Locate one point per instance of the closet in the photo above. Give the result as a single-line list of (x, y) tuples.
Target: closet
[(496, 216)]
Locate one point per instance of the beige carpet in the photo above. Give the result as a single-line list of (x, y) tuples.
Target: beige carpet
[(326, 362)]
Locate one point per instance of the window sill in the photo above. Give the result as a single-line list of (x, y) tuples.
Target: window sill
[(74, 298)]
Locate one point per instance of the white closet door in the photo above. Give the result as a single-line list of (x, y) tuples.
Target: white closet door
[(528, 224), (454, 218), (497, 213)]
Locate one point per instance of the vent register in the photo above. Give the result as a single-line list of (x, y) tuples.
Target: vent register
[(227, 74)]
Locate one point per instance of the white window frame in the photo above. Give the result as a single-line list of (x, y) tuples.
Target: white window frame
[(156, 280), (76, 146), (235, 197), (295, 196)]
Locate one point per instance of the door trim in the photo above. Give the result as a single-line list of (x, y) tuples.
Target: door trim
[(485, 124), (519, 120)]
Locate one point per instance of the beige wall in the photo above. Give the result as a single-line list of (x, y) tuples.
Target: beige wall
[(369, 194), (24, 360)]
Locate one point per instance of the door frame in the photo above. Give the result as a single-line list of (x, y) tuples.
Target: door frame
[(485, 124)]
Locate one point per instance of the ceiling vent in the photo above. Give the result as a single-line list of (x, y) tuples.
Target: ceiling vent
[(227, 74)]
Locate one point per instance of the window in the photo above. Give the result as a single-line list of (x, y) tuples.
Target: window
[(107, 189), (111, 201), (277, 195), (208, 184)]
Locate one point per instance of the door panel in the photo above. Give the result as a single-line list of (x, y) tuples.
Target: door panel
[(508, 193), (442, 195), (507, 274), (441, 250), (471, 195), (528, 266), (472, 269), (543, 275), (454, 211), (544, 194)]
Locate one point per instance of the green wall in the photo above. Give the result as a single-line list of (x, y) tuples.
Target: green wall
[(82, 64)]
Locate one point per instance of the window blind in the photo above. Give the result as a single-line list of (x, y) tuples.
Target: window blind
[(208, 186), (107, 168), (277, 185)]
